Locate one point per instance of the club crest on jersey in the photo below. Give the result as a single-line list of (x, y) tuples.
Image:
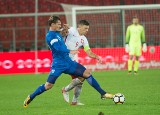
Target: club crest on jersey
[(53, 70), (82, 41)]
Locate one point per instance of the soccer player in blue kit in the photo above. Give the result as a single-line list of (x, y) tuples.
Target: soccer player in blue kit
[(62, 63)]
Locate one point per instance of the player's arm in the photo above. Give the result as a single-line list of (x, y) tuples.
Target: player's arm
[(55, 44), (128, 35), (91, 54), (143, 36), (144, 48), (127, 39)]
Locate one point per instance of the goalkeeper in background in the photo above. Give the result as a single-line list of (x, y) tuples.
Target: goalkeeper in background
[(135, 44)]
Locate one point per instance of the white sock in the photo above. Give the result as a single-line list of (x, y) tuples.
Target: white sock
[(77, 91), (73, 83)]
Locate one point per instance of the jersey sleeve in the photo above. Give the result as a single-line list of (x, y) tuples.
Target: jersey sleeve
[(85, 44), (143, 36), (56, 45), (71, 30), (128, 35)]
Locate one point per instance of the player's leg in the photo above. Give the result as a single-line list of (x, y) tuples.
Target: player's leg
[(136, 63), (79, 70), (93, 82), (65, 90), (75, 99), (77, 91), (130, 64), (130, 61), (42, 88), (75, 83)]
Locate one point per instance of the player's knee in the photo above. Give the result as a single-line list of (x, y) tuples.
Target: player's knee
[(86, 73), (48, 86), (81, 79)]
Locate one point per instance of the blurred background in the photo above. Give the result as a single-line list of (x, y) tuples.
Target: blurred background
[(23, 24), (17, 32)]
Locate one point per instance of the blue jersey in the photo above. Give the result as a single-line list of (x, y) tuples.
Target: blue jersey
[(62, 63), (60, 53)]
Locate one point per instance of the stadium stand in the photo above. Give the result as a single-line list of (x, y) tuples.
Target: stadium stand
[(24, 26)]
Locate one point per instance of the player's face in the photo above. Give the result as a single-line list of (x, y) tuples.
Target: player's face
[(135, 20), (58, 25), (83, 29)]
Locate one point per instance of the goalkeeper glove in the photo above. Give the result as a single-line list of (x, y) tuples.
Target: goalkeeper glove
[(127, 48), (144, 48)]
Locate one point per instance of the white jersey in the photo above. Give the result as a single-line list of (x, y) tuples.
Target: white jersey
[(74, 41)]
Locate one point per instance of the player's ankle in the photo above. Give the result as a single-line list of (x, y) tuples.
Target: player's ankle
[(135, 72)]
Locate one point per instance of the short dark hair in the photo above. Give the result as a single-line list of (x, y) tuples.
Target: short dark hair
[(53, 19), (83, 22), (134, 17)]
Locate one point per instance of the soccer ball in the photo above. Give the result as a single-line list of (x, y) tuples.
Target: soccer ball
[(118, 98)]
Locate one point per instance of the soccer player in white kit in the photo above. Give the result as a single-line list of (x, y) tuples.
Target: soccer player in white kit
[(74, 40)]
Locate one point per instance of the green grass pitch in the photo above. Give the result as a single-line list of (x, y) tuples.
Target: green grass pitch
[(142, 94)]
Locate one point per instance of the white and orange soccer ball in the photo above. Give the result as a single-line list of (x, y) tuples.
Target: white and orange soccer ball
[(118, 98)]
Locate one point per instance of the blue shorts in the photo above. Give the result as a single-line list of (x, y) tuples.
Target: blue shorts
[(72, 68)]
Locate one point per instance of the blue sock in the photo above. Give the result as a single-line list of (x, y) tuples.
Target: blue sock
[(95, 84), (38, 91)]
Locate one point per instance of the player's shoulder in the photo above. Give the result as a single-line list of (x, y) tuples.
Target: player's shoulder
[(131, 25), (51, 35), (72, 29), (84, 40), (84, 37), (141, 26)]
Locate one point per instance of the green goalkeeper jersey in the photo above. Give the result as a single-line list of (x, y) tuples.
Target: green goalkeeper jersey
[(135, 35)]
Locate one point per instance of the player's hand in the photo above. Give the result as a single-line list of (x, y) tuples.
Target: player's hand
[(66, 26), (127, 48), (144, 48), (64, 31), (74, 51), (99, 59)]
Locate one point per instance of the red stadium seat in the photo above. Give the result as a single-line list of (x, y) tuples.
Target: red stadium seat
[(157, 1), (128, 2), (28, 6), (29, 21), (6, 37), (42, 21), (3, 9), (108, 2), (139, 1), (149, 1), (20, 21)]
